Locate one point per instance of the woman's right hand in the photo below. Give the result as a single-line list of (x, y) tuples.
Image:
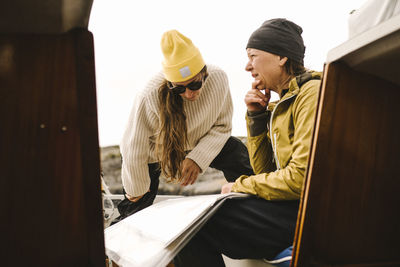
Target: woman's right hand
[(255, 99)]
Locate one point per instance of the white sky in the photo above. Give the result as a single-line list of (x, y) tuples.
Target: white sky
[(127, 37)]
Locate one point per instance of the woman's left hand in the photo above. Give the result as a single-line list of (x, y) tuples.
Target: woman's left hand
[(190, 172)]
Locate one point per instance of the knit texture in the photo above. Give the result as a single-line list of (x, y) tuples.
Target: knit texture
[(209, 124), (182, 59), (280, 37)]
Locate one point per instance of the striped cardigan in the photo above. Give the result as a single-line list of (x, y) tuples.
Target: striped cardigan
[(209, 124)]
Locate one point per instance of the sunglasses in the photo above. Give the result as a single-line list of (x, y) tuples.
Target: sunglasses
[(180, 89)]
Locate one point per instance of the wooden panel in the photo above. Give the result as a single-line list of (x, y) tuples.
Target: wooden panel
[(50, 187), (350, 203), (38, 16)]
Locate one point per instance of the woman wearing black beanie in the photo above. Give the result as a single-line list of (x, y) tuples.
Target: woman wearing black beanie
[(279, 138)]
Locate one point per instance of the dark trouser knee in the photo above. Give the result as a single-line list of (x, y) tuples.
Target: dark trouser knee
[(243, 228), (127, 208), (233, 160)]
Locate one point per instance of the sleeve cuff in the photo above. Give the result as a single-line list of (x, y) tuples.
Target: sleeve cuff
[(257, 122), (244, 184)]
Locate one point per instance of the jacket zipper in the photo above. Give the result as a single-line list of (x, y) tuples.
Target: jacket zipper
[(273, 136)]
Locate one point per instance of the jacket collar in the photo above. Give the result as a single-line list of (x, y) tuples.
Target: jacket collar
[(294, 86)]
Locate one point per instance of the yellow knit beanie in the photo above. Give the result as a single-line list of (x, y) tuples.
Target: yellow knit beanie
[(182, 60)]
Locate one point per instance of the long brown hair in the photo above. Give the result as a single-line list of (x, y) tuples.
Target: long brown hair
[(173, 132)]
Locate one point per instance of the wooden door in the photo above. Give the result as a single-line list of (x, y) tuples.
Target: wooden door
[(49, 151)]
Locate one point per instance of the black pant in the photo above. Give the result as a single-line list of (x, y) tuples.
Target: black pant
[(233, 161), (251, 228)]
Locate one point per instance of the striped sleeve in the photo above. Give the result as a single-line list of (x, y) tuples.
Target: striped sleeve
[(135, 147), (220, 110)]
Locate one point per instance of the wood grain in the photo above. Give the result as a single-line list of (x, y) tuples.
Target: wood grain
[(50, 185), (350, 203)]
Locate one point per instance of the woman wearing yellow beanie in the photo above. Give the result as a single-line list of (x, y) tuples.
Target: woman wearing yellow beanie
[(179, 125)]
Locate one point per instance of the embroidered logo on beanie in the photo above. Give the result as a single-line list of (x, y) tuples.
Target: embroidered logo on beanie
[(185, 72)]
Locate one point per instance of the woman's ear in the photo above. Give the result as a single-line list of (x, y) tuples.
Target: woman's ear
[(282, 61)]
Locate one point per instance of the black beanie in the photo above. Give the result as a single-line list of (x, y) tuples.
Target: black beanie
[(280, 37)]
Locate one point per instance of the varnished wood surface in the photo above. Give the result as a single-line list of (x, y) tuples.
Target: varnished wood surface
[(350, 205), (44, 17), (50, 187)]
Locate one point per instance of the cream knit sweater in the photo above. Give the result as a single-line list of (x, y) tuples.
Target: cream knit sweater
[(209, 124)]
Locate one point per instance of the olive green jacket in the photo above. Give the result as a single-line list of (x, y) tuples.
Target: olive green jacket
[(279, 142)]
